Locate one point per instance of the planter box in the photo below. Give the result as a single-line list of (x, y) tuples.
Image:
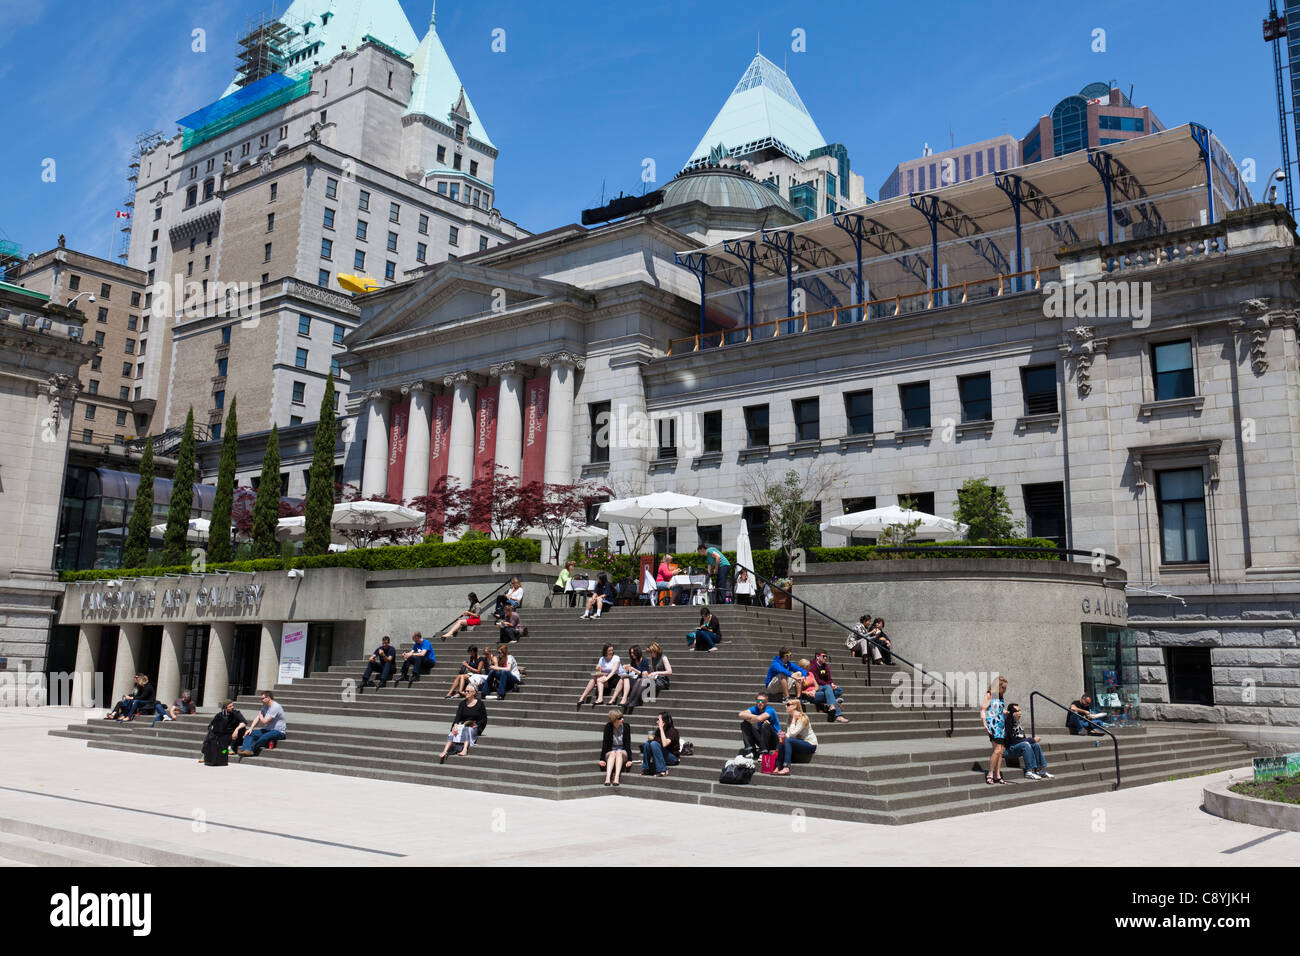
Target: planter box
[(781, 600)]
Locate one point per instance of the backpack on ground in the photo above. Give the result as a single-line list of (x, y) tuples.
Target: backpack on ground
[(737, 770)]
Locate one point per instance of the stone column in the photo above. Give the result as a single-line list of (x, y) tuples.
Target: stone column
[(169, 661), (460, 456), (130, 639), (510, 417), (221, 647), (374, 473), (83, 674), (559, 417), (268, 655), (415, 479)]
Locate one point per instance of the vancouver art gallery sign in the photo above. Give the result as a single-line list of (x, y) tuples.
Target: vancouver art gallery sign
[(147, 601)]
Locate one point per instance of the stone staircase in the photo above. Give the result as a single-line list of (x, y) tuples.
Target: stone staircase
[(888, 765)]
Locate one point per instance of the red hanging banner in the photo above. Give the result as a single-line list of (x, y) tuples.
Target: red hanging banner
[(397, 449), (439, 449), (536, 394), (485, 440)]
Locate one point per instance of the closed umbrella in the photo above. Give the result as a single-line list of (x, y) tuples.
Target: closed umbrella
[(745, 559), (871, 524)]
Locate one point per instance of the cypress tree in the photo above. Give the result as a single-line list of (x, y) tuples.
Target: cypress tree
[(266, 510), (320, 483), (136, 552), (219, 532), (175, 540)]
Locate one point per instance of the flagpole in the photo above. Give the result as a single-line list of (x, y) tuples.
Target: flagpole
[(110, 237)]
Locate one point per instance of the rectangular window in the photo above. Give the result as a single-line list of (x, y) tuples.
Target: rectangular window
[(455, 192), (712, 432), (442, 154), (1171, 363), (362, 228), (1038, 382), (74, 283), (859, 408), (394, 212), (300, 358), (130, 346), (121, 415), (93, 386), (270, 222), (976, 393), (334, 367), (667, 432), (338, 334), (90, 412), (442, 188), (599, 412), (275, 189), (922, 501), (756, 426), (1190, 675), (807, 419), (304, 325), (329, 219), (331, 188), (392, 242), (225, 335), (420, 251), (390, 270), (323, 278), (473, 167), (1045, 511), (326, 248), (219, 399), (1181, 498), (295, 420), (126, 367), (915, 399), (363, 201), (191, 196), (423, 227), (482, 243), (87, 436), (456, 161), (101, 315), (223, 364), (359, 261), (135, 300), (216, 431), (453, 235), (756, 519), (299, 392), (99, 338), (266, 252)]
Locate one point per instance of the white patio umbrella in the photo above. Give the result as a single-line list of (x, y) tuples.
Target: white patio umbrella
[(664, 509), (198, 529), (870, 524), (294, 528), (359, 517), (571, 531)]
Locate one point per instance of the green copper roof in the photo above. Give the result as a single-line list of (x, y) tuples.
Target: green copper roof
[(764, 110), (10, 287), (437, 87)]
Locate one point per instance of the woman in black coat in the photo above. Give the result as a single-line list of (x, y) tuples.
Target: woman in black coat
[(615, 748), (469, 724), (225, 732)]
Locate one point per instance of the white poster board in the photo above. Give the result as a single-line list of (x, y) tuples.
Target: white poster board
[(293, 652)]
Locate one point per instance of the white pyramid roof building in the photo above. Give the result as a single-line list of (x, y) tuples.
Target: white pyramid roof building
[(764, 110)]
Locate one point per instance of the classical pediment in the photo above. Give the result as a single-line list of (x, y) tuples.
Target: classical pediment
[(451, 293)]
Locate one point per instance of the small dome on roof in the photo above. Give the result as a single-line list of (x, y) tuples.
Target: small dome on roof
[(723, 187)]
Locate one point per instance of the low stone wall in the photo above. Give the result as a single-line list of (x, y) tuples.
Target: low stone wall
[(1018, 618), (1222, 802), (1252, 632)]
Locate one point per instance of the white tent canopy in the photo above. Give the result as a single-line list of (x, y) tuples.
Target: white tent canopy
[(871, 524), (667, 509)]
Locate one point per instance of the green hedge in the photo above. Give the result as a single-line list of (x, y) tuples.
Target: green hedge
[(937, 549), (451, 555)]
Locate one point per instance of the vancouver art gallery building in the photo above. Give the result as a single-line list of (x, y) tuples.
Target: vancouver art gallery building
[(1111, 340)]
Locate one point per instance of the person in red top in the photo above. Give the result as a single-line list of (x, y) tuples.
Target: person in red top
[(828, 695)]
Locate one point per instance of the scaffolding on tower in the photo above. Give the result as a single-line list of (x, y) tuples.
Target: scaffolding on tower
[(263, 48), (144, 143)]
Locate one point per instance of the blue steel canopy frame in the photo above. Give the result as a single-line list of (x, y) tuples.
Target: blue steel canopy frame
[(1201, 136), (940, 212), (1115, 176), (1021, 192), (705, 267), (793, 248), (862, 229)]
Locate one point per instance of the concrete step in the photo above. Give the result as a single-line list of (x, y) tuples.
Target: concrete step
[(33, 852)]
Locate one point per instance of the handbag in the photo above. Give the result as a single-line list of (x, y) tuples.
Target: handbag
[(769, 763)]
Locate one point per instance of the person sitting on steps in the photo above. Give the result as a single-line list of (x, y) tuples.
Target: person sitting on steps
[(382, 660), (271, 717), (513, 598), (562, 582), (510, 627), (828, 693), (473, 664), (708, 634), (225, 733), (782, 676), (759, 727), (798, 740), (881, 640), (467, 726), (503, 674), (1081, 719), (604, 596), (470, 618), (420, 657), (630, 677), (663, 748), (615, 748), (657, 678), (606, 671), (859, 642), (1024, 748)]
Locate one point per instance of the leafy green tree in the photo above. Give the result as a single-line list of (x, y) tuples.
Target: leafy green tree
[(320, 482), (266, 510), (219, 532), (900, 534), (136, 552), (176, 538), (985, 509)]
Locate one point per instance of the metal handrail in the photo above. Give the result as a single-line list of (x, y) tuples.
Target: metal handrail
[(1033, 725), (916, 667), (1004, 283), (482, 603)]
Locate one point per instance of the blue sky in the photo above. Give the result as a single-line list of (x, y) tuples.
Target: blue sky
[(585, 91)]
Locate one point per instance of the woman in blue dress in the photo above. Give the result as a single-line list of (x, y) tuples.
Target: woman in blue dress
[(994, 713)]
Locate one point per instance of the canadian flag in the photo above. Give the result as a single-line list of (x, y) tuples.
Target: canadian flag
[(123, 215)]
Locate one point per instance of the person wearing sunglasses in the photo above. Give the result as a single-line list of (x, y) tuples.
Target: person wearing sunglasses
[(1024, 748), (759, 728), (799, 739)]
